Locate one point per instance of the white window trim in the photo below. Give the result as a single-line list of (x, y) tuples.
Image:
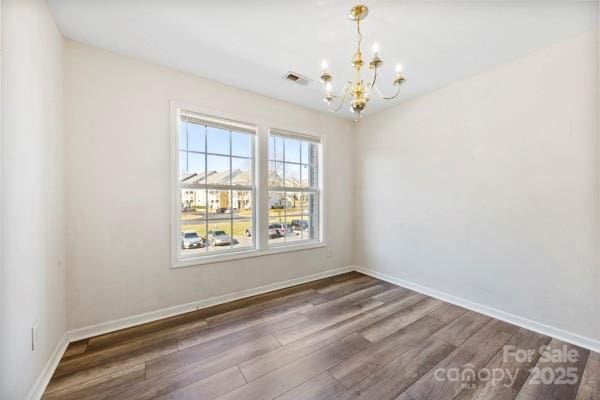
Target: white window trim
[(261, 192)]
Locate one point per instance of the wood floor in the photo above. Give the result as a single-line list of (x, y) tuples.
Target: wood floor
[(345, 337)]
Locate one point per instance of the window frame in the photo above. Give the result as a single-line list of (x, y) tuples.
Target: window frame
[(318, 190), (260, 192)]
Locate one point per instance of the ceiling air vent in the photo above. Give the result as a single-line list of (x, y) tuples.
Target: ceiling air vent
[(297, 78)]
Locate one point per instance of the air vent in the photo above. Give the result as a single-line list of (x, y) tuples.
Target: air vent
[(297, 78)]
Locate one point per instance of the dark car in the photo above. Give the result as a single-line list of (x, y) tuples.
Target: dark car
[(300, 225), (279, 230)]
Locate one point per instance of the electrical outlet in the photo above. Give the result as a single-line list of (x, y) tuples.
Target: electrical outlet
[(35, 331), (329, 252)]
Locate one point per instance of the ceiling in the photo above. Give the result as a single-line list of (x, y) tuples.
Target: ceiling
[(252, 44)]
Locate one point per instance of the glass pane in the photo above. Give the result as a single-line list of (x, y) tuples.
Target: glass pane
[(293, 200), (182, 161), (241, 204), (309, 153), (277, 204), (312, 206), (242, 233), (219, 235), (275, 173), (276, 231), (292, 175), (193, 240), (196, 139), (299, 224), (219, 204), (292, 235), (276, 148), (218, 170), (196, 163), (183, 135), (304, 203), (307, 176), (241, 144), (193, 217), (313, 228), (292, 150), (241, 171), (217, 140)]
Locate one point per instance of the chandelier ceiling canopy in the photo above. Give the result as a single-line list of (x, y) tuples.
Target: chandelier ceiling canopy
[(357, 90)]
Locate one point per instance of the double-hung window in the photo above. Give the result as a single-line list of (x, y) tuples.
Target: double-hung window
[(294, 188), (216, 180), (221, 210)]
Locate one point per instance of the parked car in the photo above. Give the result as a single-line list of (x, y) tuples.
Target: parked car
[(219, 238), (279, 230), (300, 225), (221, 210), (231, 210), (191, 240)]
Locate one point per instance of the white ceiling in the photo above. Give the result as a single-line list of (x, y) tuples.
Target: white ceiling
[(252, 44)]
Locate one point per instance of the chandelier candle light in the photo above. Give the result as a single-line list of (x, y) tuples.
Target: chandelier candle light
[(358, 90)]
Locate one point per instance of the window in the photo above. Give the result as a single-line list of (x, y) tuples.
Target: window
[(294, 188), (216, 182), (215, 190)]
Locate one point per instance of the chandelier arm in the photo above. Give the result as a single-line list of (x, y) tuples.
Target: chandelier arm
[(342, 91), (342, 101), (387, 98), (372, 85)]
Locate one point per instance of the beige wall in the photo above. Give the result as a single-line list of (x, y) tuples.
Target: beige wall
[(32, 283), (488, 189), (118, 188)]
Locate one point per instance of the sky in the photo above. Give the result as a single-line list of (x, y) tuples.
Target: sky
[(200, 138)]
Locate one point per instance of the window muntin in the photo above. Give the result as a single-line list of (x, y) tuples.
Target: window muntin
[(294, 189), (216, 179)]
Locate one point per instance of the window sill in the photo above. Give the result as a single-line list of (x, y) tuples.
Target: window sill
[(215, 258)]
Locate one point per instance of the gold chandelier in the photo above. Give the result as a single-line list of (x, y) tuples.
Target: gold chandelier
[(358, 90)]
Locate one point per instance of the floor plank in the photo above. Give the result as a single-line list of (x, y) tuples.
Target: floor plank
[(285, 378), (325, 320), (76, 348), (345, 337), (399, 320), (356, 368), (208, 388), (321, 387), (391, 381), (268, 362), (538, 389), (589, 387), (462, 328), (181, 376), (514, 372), (101, 387), (475, 351)]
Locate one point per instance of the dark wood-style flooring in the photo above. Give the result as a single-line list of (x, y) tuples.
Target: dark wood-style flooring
[(345, 337)]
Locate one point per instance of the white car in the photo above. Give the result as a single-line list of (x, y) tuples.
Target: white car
[(191, 240), (219, 238)]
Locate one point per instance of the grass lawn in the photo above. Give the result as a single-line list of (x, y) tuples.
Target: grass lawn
[(239, 227)]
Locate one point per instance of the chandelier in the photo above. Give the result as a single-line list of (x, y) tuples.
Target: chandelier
[(359, 91)]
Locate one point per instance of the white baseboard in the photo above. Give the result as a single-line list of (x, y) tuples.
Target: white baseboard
[(42, 381), (561, 334), (127, 322)]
